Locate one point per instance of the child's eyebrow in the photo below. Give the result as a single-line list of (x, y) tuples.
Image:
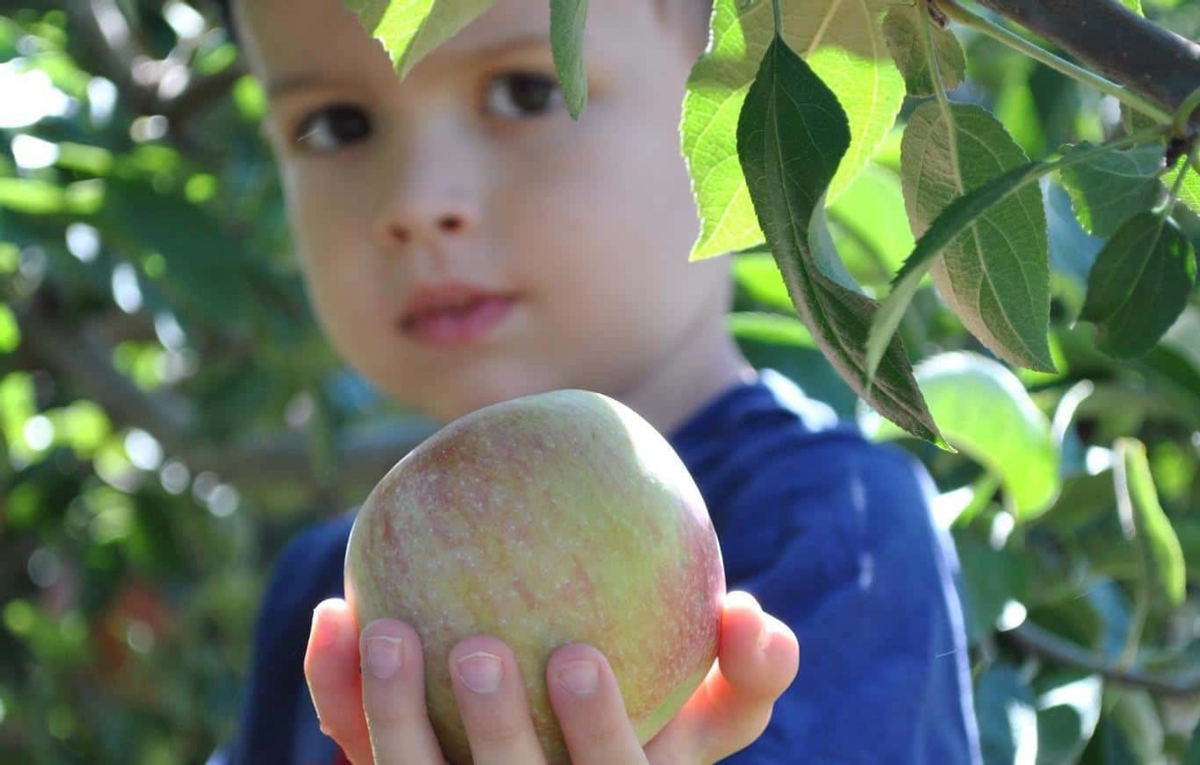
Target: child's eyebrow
[(296, 81), (292, 82), (533, 39)]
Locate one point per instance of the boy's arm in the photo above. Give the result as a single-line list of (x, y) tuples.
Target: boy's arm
[(837, 540)]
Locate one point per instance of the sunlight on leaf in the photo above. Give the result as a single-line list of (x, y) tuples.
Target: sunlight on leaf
[(1189, 192), (841, 40), (411, 29)]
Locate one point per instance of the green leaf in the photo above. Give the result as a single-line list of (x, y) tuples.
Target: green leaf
[(951, 223), (983, 410), (842, 43), (1004, 706), (991, 579), (1109, 188), (995, 275), (1109, 745), (769, 328), (1139, 284), (1083, 497), (411, 29), (758, 275), (1144, 519), (567, 21), (206, 269), (1189, 191), (791, 136), (1192, 755), (1065, 611), (1135, 714), (872, 210), (1068, 705), (903, 28), (1133, 5)]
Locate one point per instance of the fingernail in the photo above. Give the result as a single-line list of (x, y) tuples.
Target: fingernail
[(324, 638), (580, 677), (481, 672), (383, 655)]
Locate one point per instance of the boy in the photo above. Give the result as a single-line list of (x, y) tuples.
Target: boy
[(464, 241)]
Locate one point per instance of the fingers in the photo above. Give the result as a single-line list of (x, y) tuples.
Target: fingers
[(331, 669), (369, 694), (393, 696), (590, 711), (491, 700), (757, 661), (759, 655)]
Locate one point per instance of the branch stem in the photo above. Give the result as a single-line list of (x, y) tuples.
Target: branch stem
[(1184, 115), (1114, 42), (958, 13), (1031, 638)]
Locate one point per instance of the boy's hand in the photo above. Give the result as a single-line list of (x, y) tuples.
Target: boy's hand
[(384, 721)]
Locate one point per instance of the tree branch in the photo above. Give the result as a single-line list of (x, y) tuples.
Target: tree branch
[(1036, 640), (1115, 43)]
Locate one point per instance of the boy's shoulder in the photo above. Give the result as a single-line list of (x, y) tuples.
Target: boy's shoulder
[(770, 415), (768, 437)]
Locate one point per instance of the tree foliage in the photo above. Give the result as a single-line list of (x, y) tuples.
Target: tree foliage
[(945, 224)]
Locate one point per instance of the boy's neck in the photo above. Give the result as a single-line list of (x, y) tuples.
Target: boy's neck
[(678, 386)]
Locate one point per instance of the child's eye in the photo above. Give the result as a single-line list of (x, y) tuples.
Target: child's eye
[(521, 95), (333, 127)]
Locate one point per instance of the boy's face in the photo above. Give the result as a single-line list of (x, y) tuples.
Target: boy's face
[(463, 239)]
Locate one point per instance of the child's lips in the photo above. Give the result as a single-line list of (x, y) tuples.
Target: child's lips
[(459, 323)]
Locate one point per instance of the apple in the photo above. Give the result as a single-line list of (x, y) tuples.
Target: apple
[(544, 520)]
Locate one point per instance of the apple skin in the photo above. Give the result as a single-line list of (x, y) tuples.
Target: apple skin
[(549, 519)]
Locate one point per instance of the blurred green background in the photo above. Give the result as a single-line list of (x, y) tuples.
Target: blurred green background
[(169, 415)]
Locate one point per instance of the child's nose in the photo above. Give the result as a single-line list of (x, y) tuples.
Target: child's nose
[(411, 227), (434, 197)]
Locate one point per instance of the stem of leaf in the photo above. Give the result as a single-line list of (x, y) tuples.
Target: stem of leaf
[(1184, 115), (939, 90), (960, 14), (777, 8)]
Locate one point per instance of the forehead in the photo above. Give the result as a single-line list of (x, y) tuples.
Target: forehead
[(298, 32)]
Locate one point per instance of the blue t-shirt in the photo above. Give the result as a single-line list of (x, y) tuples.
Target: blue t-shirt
[(831, 533)]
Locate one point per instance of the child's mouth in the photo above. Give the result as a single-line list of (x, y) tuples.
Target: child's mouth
[(457, 324)]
